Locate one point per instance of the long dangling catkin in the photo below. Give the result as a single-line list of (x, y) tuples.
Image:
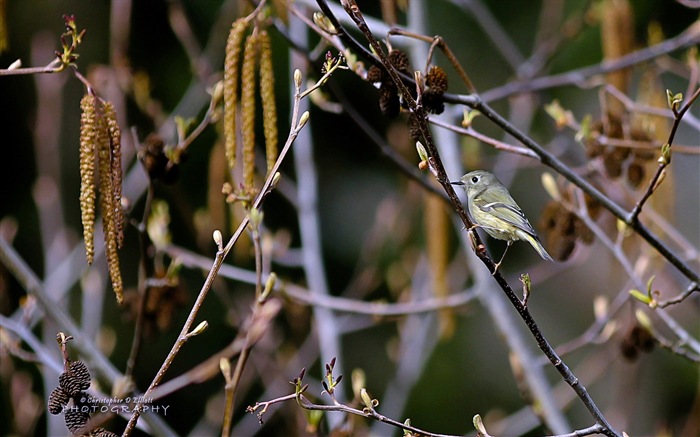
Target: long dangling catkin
[(106, 187), (267, 95), (115, 170), (248, 110), (88, 120), (231, 67)]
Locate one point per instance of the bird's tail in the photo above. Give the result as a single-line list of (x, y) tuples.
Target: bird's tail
[(537, 245)]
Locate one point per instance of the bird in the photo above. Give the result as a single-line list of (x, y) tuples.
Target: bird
[(492, 208)]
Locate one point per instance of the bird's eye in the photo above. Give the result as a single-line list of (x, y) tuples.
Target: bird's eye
[(475, 179)]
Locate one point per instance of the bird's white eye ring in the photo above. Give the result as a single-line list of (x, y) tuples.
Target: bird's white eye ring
[(475, 179)]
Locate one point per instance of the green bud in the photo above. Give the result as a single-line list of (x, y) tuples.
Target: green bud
[(674, 100), (225, 367), (422, 153), (469, 117), (303, 119), (256, 217), (269, 286), (665, 157), (297, 78), (199, 329), (324, 23), (642, 297)]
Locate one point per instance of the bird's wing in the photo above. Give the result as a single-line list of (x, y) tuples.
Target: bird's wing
[(507, 213)]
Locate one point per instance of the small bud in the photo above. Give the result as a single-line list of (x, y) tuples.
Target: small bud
[(585, 131), (527, 283), (479, 426), (561, 116), (218, 239), (600, 307), (406, 432), (199, 329), (661, 178), (358, 379), (674, 100), (275, 180), (313, 418), (256, 217), (217, 94), (422, 153), (642, 297), (304, 118), (550, 186), (297, 78), (665, 157), (225, 367), (468, 117), (15, 65), (366, 399), (324, 23), (269, 286)]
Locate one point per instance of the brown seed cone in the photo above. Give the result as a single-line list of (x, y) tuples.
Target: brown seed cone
[(231, 69), (57, 399), (582, 231), (267, 95), (81, 374), (613, 165), (88, 122), (560, 246), (374, 74), (414, 127), (436, 79), (399, 59), (594, 207), (548, 218), (389, 100), (76, 419), (635, 173), (69, 384)]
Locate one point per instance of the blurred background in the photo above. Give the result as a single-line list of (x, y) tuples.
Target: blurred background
[(348, 222)]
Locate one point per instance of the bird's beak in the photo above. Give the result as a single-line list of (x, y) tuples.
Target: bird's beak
[(457, 183)]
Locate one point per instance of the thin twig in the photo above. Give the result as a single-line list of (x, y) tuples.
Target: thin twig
[(663, 162), (498, 145), (232, 385)]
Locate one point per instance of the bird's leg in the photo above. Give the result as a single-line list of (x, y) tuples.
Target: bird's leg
[(498, 264)]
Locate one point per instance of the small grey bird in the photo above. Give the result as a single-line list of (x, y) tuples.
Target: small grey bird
[(492, 208)]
